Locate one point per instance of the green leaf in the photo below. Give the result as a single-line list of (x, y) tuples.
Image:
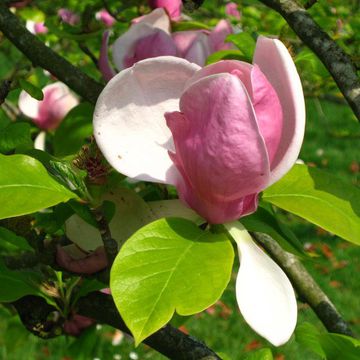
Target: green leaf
[(307, 336), (189, 25), (31, 89), (14, 135), (262, 354), (73, 130), (320, 198), (244, 42), (169, 265), (328, 346), (225, 55), (16, 284), (26, 187), (10, 242)]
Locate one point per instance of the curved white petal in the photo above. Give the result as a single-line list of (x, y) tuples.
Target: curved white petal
[(129, 123), (158, 18), (276, 63), (124, 46), (40, 141), (28, 105), (264, 293)]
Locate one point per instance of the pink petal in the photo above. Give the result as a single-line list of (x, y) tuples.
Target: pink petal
[(129, 124), (218, 124), (157, 43), (219, 34), (263, 97), (231, 9), (104, 16), (57, 102), (193, 46), (48, 113), (276, 63), (127, 45), (104, 63), (173, 7), (226, 66), (268, 111), (68, 16)]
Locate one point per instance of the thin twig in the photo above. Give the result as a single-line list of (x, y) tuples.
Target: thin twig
[(327, 50), (110, 245), (88, 52), (305, 285)]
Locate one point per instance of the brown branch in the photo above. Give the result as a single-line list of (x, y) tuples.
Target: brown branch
[(169, 341), (305, 285), (4, 90), (328, 51), (41, 55)]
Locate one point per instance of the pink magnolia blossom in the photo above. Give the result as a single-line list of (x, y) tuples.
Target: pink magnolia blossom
[(149, 36), (221, 134), (104, 16), (68, 16), (173, 7), (48, 113), (36, 27), (231, 9)]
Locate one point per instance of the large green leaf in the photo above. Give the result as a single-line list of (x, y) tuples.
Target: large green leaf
[(10, 242), (169, 265), (261, 354), (328, 346), (320, 198), (26, 187), (14, 135)]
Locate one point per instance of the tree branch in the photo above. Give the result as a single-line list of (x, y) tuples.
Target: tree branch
[(328, 51), (305, 285), (41, 55), (169, 341)]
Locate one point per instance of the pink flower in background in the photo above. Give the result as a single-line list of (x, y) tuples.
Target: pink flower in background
[(36, 28), (231, 9), (221, 134), (150, 36), (48, 113), (173, 7), (69, 17), (104, 16)]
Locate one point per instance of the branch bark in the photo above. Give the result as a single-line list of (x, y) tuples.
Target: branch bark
[(169, 341), (328, 51), (305, 285), (41, 55)]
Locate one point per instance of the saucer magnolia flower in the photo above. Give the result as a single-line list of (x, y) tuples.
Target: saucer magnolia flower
[(69, 17), (48, 113), (173, 7), (36, 27), (149, 36), (221, 134)]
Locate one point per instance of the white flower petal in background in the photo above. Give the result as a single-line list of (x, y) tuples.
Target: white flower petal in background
[(264, 293)]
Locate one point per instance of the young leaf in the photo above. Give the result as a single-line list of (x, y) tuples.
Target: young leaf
[(26, 187), (262, 354), (244, 42), (320, 198), (10, 242), (225, 55), (16, 284), (169, 265), (31, 89)]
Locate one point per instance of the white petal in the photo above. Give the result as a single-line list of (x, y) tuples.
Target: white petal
[(28, 105), (40, 141), (129, 123), (276, 63), (264, 293), (158, 18)]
